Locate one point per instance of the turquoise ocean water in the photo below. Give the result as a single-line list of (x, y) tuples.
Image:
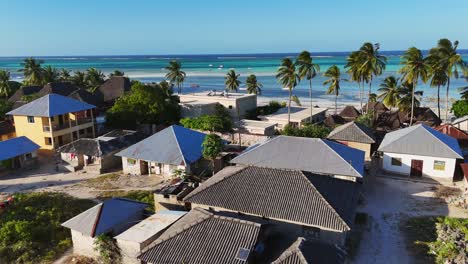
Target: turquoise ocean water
[(207, 71)]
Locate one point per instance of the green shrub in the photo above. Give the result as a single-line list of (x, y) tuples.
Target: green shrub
[(460, 108), (109, 252), (220, 122), (307, 130)]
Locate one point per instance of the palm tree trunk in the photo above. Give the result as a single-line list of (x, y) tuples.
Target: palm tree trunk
[(360, 94), (311, 105), (289, 105), (368, 95), (213, 166), (447, 99), (336, 102), (412, 103), (438, 100)]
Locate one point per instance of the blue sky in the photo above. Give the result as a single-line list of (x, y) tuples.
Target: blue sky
[(104, 27)]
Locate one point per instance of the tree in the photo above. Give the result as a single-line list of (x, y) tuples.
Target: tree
[(144, 104), (64, 75), (307, 69), (212, 146), (79, 79), (415, 67), (438, 73), (288, 78), (334, 79), (409, 97), (231, 80), (452, 62), (50, 74), (389, 92), (307, 130), (5, 88), (94, 79), (221, 121), (5, 107), (460, 108), (33, 72), (175, 74), (253, 86), (373, 64), (353, 66), (116, 73)]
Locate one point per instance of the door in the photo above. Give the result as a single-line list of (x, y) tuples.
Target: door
[(143, 167), (416, 168)]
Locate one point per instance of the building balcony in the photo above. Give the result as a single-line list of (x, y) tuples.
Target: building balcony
[(56, 127), (81, 121)]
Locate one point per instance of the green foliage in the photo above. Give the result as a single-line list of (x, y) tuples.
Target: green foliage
[(109, 252), (365, 119), (30, 230), (419, 229), (460, 108), (30, 97), (268, 109), (220, 122), (145, 104), (307, 130), (212, 146), (5, 107)]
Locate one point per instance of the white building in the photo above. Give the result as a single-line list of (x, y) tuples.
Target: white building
[(420, 151), (461, 123), (202, 103), (299, 116)]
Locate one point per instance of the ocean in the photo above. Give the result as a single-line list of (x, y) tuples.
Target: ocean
[(206, 72)]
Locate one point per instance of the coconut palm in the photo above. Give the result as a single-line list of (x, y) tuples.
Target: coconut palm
[(353, 66), (307, 69), (334, 79), (288, 78), (408, 97), (438, 73), (5, 88), (253, 86), (389, 92), (64, 75), (175, 74), (50, 74), (79, 79), (372, 63), (231, 80), (453, 63), (33, 72), (116, 73), (94, 79), (415, 67)]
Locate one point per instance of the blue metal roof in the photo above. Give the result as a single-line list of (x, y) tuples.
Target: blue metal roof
[(190, 143), (15, 147), (353, 156), (448, 140), (51, 105)]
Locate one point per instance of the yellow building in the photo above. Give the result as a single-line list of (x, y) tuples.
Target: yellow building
[(54, 120), (7, 130)]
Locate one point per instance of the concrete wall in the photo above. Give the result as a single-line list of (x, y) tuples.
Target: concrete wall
[(132, 169), (129, 251), (83, 245), (191, 111), (165, 169), (33, 131), (428, 165), (462, 126)]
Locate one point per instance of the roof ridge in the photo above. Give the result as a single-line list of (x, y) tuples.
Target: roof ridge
[(402, 136), (362, 128), (334, 151), (178, 145)]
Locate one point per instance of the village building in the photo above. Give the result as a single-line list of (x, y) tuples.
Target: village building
[(461, 123), (456, 133), (7, 130), (302, 203), (333, 121), (374, 107), (97, 153), (54, 120), (315, 155), (355, 135), (420, 151), (349, 113), (132, 241), (299, 116), (113, 88), (171, 195), (255, 127), (17, 153), (424, 115), (18, 98), (173, 148), (238, 104), (112, 217)]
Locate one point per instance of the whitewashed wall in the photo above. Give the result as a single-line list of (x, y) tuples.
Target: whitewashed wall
[(428, 165), (132, 169)]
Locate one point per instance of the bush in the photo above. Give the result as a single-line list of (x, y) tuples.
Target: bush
[(5, 107), (220, 122), (307, 130), (365, 119), (31, 231), (109, 252), (460, 108)]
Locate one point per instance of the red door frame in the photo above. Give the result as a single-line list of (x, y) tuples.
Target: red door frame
[(416, 168)]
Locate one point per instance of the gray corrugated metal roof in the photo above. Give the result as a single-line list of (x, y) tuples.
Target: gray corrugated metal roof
[(354, 132), (421, 140), (304, 251), (307, 154), (203, 237), (287, 195)]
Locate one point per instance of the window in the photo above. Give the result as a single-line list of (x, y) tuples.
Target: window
[(439, 165), (89, 130), (230, 107), (82, 131), (66, 117), (131, 161), (30, 119), (48, 141), (75, 135), (396, 162), (28, 156), (52, 119)]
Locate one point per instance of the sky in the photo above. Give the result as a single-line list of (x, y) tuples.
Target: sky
[(144, 27)]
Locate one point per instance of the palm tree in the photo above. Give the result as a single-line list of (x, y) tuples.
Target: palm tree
[(50, 74), (175, 74), (415, 67), (307, 69), (452, 61), (373, 64), (94, 79), (289, 79), (64, 75), (5, 88), (79, 79), (438, 73), (116, 73), (232, 81), (334, 78), (253, 86), (390, 92), (353, 66), (33, 72), (408, 97)]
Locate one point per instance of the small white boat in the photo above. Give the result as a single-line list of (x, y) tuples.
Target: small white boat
[(211, 65), (221, 66), (285, 88)]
